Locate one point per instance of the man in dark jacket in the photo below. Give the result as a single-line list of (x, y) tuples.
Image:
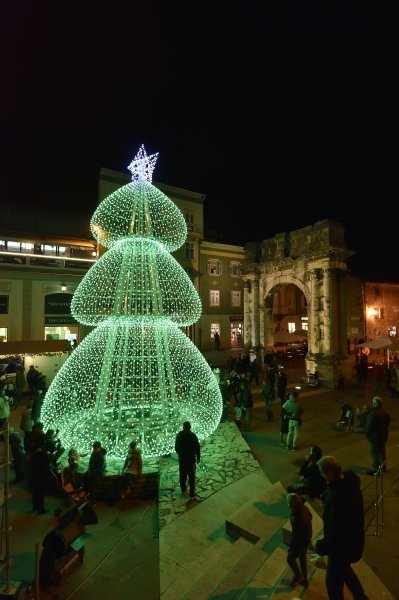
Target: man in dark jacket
[(376, 429), (189, 452), (343, 520), (245, 396)]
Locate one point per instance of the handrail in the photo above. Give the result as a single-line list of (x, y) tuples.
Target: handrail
[(379, 496)]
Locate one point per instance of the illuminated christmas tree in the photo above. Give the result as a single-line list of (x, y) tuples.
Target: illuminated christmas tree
[(136, 375)]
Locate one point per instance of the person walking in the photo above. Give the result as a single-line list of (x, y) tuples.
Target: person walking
[(32, 379), (343, 538), (269, 395), (254, 370), (189, 452), (376, 430), (294, 411), (281, 384), (301, 536)]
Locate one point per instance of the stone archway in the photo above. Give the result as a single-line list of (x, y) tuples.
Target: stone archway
[(313, 259)]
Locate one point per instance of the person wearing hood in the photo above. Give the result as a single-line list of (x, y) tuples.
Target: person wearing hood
[(96, 470), (343, 520)]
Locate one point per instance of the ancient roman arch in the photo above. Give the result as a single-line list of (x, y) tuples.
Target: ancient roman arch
[(315, 260)]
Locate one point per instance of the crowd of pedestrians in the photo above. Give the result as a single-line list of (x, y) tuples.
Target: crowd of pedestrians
[(35, 454)]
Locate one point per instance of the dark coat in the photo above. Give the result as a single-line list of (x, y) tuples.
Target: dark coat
[(343, 519), (97, 462), (377, 425), (245, 395), (187, 446), (313, 480), (301, 525)]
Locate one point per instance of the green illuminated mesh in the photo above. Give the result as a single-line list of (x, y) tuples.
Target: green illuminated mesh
[(139, 208), (137, 376), (136, 277), (132, 379)]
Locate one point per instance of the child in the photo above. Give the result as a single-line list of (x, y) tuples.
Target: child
[(301, 524)]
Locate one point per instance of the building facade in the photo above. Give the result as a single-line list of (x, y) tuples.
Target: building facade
[(40, 271), (294, 281)]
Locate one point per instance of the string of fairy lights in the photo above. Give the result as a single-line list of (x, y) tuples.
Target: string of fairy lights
[(136, 375)]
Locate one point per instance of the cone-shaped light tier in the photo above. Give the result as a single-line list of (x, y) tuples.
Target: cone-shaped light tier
[(133, 379), (139, 208), (137, 376), (136, 277)]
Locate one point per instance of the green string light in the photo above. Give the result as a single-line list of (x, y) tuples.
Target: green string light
[(137, 375)]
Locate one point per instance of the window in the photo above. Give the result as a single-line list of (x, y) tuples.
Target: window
[(235, 268), (214, 297), (235, 298), (3, 334), (3, 305), (189, 249), (374, 313), (214, 266), (189, 218), (291, 327)]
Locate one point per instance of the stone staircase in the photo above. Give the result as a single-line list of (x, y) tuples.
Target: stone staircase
[(245, 557)]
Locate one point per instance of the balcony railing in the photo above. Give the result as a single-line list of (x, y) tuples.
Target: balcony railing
[(31, 260)]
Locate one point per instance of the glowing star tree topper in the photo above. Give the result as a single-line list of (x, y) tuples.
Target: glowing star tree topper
[(136, 376), (142, 166)]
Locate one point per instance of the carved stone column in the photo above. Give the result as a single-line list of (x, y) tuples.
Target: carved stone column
[(328, 302), (314, 331), (255, 314), (247, 314), (262, 326)]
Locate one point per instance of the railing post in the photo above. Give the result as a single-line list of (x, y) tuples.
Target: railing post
[(376, 505)]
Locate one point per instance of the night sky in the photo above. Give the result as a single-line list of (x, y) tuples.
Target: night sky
[(281, 115)]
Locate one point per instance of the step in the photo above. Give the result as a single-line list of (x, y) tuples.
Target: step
[(175, 586), (260, 517), (246, 568), (211, 578), (269, 574)]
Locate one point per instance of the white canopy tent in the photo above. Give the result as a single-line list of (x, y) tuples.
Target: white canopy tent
[(285, 337), (383, 342)]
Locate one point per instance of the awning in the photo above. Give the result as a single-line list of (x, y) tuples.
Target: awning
[(384, 341)]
